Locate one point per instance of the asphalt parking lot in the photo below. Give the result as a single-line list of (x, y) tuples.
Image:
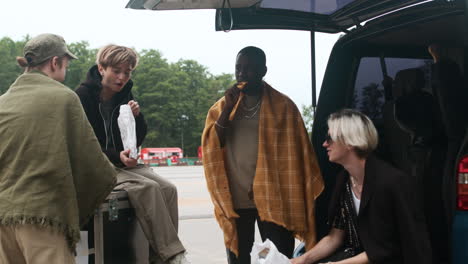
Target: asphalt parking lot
[(198, 229)]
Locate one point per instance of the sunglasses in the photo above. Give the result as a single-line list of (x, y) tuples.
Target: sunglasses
[(328, 139)]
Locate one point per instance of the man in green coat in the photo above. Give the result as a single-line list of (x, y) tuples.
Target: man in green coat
[(53, 174)]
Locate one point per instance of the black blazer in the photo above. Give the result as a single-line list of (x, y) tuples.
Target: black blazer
[(391, 224)]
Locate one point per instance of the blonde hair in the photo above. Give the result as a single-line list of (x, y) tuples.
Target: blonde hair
[(113, 55), (353, 128)]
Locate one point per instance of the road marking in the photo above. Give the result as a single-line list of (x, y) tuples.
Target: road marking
[(200, 216)]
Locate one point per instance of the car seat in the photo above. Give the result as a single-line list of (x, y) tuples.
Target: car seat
[(408, 123), (413, 136)]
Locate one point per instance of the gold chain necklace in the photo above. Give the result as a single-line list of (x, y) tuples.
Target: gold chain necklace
[(252, 115), (255, 108)]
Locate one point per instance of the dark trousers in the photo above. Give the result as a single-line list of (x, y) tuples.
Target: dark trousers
[(280, 236)]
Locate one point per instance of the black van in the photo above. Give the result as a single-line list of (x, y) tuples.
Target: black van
[(383, 52)]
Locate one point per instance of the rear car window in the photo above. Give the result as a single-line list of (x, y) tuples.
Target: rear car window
[(368, 94)]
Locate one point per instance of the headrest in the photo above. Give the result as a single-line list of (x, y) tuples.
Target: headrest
[(408, 81)]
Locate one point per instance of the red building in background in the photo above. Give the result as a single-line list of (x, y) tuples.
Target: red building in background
[(149, 155)]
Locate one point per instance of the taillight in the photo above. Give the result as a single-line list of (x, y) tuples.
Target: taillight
[(462, 186)]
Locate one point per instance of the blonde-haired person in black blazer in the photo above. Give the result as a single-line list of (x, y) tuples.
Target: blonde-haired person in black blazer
[(375, 214)]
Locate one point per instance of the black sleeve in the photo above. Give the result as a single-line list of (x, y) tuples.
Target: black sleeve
[(113, 156), (335, 203), (339, 221), (141, 129)]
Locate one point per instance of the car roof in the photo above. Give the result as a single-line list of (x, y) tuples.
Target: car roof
[(329, 16), (433, 22)]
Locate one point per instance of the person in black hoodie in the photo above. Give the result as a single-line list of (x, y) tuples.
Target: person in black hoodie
[(108, 85)]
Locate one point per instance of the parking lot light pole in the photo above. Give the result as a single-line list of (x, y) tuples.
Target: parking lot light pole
[(182, 120)]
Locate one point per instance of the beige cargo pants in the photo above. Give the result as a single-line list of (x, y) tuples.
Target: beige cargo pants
[(155, 201), (29, 244)]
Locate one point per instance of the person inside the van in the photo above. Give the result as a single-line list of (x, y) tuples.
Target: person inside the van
[(374, 212), (450, 96), (259, 165), (53, 174), (108, 85), (449, 92)]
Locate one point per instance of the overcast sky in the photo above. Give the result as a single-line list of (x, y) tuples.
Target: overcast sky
[(186, 34)]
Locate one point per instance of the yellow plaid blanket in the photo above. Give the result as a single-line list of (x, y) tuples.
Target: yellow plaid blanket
[(287, 178)]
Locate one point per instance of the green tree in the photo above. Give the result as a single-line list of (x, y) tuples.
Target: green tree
[(198, 93), (152, 92), (175, 99), (9, 69), (308, 117), (372, 101), (77, 70)]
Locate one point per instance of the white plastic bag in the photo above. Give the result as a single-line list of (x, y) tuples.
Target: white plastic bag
[(267, 253), (128, 130)]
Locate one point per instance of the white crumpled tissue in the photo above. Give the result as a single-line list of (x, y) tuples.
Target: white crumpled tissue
[(128, 130)]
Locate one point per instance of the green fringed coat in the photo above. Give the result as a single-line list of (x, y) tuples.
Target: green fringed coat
[(52, 169)]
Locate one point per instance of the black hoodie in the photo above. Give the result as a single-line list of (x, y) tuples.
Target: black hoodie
[(89, 92)]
